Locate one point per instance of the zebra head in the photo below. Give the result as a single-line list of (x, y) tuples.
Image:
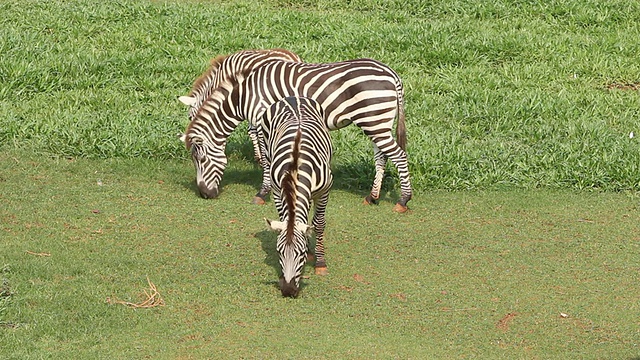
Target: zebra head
[(210, 162), (292, 251)]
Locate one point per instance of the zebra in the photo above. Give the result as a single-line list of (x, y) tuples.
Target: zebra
[(237, 65), (298, 147), (364, 92)]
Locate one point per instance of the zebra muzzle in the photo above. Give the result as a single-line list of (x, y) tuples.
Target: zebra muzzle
[(288, 289), (207, 193)]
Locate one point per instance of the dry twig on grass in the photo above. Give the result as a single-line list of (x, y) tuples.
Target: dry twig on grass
[(153, 299), (38, 254)]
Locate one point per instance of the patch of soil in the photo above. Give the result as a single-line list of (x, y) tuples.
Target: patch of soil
[(623, 86), (503, 324)]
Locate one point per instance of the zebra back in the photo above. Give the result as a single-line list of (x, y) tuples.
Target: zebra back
[(299, 149), (289, 185), (357, 91), (231, 67)]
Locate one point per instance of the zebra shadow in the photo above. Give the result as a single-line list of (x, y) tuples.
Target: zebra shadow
[(252, 177), (191, 185), (346, 177), (268, 242), (352, 174)]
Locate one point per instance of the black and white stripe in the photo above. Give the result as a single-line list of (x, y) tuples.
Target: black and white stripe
[(234, 67), (364, 92), (298, 147)]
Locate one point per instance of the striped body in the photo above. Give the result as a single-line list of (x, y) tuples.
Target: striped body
[(298, 147), (234, 67), (364, 92)]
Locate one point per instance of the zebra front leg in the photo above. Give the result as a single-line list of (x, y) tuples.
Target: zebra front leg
[(380, 162), (253, 135), (318, 226), (265, 188)]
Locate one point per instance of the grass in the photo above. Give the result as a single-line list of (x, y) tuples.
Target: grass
[(5, 296), (464, 274), (522, 94), (528, 103)]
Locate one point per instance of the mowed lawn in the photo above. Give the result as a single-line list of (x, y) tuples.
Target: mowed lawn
[(510, 274)]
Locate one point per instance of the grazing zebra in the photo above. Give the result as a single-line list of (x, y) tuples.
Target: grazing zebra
[(364, 92), (298, 147), (237, 65)]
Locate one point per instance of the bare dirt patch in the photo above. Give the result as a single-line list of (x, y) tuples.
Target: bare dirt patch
[(623, 86), (506, 320)]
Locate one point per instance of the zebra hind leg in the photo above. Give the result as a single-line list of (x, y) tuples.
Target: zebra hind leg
[(398, 157), (381, 161), (401, 205)]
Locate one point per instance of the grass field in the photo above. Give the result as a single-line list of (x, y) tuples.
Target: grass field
[(522, 239), (501, 93), (464, 274)]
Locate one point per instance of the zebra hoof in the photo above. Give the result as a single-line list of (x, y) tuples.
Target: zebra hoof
[(369, 200), (257, 200), (400, 208), (322, 271)]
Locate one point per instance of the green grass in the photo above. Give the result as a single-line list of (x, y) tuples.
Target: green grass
[(527, 103), (432, 283), (522, 94)]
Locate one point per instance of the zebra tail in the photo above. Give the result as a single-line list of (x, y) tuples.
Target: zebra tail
[(401, 128), (289, 186)]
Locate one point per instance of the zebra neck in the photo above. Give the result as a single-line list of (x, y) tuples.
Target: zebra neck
[(202, 92), (219, 114)]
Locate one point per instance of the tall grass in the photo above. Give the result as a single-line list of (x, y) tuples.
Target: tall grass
[(503, 93)]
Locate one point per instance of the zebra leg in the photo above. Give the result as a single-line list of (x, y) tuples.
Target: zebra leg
[(386, 147), (399, 159), (253, 135), (381, 162), (318, 226), (260, 198)]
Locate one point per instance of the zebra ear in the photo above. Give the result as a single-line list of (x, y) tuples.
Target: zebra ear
[(276, 225), (304, 228), (187, 100)]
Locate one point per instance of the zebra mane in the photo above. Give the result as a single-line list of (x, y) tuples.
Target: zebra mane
[(289, 187), (284, 53), (202, 81), (211, 104)]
